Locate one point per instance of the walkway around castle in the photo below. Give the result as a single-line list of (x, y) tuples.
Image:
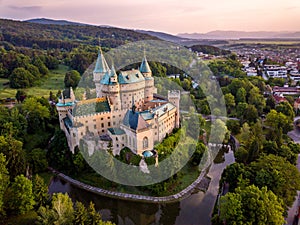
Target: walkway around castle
[(133, 197)]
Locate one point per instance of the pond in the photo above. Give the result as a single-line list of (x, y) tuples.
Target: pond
[(195, 209)]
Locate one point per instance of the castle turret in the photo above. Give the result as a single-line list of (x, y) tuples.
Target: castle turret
[(149, 81), (145, 68), (100, 70), (110, 88), (174, 98)]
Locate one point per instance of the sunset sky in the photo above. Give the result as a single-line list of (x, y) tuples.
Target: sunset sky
[(172, 16)]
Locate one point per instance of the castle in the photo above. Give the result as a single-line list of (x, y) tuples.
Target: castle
[(127, 112)]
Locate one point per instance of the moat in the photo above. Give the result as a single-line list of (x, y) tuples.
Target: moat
[(195, 209)]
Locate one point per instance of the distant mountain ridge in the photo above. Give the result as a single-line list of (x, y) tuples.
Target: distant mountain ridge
[(219, 34), (59, 22)]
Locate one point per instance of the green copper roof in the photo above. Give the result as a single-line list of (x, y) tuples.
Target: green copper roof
[(106, 78), (130, 76), (101, 64), (145, 68)]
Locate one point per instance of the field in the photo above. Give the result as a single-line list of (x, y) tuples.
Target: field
[(53, 82)]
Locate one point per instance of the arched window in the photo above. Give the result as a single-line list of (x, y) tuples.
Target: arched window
[(145, 142)]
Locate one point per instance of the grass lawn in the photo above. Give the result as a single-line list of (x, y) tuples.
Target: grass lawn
[(53, 82)]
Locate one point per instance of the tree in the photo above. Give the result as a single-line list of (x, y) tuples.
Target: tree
[(93, 216), (72, 79), (251, 205), (20, 95), (257, 99), (80, 214), (38, 160), (14, 153), (233, 126), (251, 114), (197, 155), (21, 199), (241, 110), (40, 65), (63, 207), (278, 175), (35, 113), (241, 95), (20, 78), (4, 181), (218, 132), (230, 101), (286, 109), (40, 191)]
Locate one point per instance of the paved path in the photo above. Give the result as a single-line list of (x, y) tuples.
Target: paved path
[(132, 197)]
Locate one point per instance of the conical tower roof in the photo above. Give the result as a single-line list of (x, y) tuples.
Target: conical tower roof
[(145, 68), (113, 71), (101, 64)]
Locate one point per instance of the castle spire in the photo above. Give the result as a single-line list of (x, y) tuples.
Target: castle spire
[(101, 64), (145, 68)]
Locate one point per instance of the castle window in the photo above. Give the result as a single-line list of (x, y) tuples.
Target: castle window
[(108, 124), (102, 124), (102, 131), (101, 118), (145, 142), (116, 138), (95, 126), (108, 117)]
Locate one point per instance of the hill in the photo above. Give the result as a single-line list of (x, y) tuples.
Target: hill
[(207, 49), (219, 34), (46, 36), (163, 36), (54, 22)]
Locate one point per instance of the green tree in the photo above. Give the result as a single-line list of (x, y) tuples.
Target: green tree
[(38, 160), (93, 216), (63, 207), (219, 132), (35, 113), (20, 78), (251, 205), (257, 99), (20, 95), (241, 95), (21, 198), (80, 214), (278, 175), (286, 109), (233, 126), (40, 191), (229, 101), (72, 79), (40, 65), (15, 156), (4, 181)]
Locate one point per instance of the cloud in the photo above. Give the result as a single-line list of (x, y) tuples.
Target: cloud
[(25, 8)]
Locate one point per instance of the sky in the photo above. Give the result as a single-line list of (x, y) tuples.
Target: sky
[(171, 16)]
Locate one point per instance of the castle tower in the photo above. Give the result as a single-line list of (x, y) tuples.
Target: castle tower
[(149, 81), (174, 98), (100, 70), (110, 88)]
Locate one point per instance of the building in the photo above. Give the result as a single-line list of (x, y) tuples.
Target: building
[(276, 71), (127, 112)]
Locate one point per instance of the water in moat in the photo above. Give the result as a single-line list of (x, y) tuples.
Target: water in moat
[(195, 209)]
